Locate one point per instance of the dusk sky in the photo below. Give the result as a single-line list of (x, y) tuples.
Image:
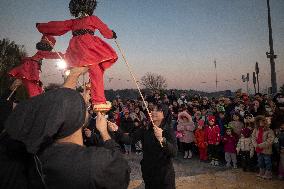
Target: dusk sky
[(178, 39)]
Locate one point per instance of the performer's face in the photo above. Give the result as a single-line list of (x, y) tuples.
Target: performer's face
[(157, 115)]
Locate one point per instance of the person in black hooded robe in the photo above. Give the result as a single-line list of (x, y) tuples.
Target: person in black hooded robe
[(159, 147), (48, 127)]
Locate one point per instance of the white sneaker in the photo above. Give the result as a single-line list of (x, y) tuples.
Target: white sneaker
[(189, 155), (216, 163), (212, 162), (185, 154)]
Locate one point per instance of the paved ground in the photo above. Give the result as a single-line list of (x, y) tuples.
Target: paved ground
[(198, 175)]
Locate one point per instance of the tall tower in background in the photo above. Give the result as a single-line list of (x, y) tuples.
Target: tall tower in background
[(271, 54)]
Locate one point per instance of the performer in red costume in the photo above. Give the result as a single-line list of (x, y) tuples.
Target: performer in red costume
[(85, 49), (28, 72)]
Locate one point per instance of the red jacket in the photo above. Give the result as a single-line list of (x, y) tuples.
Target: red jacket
[(83, 50), (29, 69), (212, 134)]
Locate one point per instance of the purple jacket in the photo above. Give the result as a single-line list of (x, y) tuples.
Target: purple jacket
[(230, 143)]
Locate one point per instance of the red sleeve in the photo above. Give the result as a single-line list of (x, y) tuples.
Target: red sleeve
[(55, 28), (223, 139), (102, 27), (206, 134)]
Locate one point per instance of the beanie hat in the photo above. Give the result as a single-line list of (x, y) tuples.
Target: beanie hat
[(211, 118), (246, 132)]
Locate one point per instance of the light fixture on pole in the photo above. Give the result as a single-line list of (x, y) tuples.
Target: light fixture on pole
[(62, 66)]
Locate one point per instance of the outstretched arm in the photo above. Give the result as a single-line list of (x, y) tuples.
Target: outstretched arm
[(55, 28), (131, 138)]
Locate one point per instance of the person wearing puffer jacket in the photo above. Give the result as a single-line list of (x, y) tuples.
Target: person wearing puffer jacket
[(186, 127)]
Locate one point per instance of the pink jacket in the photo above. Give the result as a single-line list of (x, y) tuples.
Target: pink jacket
[(186, 127)]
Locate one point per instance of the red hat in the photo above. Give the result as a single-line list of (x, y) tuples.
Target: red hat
[(211, 118), (49, 39)]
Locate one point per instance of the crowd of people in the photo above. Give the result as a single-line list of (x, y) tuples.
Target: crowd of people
[(43, 132), (240, 132)]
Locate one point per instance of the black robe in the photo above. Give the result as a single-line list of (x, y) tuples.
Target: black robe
[(29, 142), (156, 165), (68, 165)]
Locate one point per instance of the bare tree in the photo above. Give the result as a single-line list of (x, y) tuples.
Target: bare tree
[(153, 81)]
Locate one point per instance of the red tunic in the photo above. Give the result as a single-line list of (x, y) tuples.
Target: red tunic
[(83, 50), (200, 138), (29, 69)]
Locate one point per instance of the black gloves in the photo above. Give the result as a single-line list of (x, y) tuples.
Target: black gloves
[(114, 36)]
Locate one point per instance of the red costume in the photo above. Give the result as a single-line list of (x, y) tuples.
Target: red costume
[(85, 49), (201, 143), (28, 71)]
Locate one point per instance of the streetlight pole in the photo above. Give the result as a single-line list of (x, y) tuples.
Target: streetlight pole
[(257, 72), (254, 81), (215, 64), (271, 54)]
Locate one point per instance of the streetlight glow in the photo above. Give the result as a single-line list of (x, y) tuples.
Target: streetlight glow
[(67, 72), (61, 64)]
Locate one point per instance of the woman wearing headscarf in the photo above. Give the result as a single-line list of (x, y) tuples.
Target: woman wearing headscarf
[(49, 128), (159, 147)]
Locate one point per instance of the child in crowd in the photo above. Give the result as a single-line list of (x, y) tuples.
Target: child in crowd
[(230, 141), (236, 124), (212, 135), (262, 138), (222, 121), (127, 127), (281, 151), (245, 148), (138, 144), (249, 121), (197, 116), (200, 141), (186, 127)]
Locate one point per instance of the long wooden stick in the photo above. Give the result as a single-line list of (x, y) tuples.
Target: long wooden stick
[(11, 94)]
